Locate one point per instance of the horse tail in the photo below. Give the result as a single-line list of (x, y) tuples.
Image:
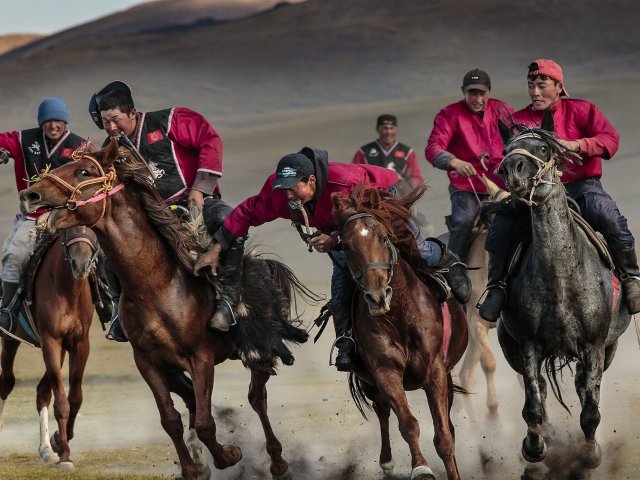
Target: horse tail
[(357, 393), (552, 365)]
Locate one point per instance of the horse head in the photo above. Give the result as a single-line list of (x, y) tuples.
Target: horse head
[(81, 249), (371, 257), (75, 193), (532, 162)]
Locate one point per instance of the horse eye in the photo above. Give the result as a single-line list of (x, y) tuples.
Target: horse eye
[(543, 148), (84, 173)]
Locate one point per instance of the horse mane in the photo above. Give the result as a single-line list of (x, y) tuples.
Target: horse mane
[(133, 172), (392, 211)]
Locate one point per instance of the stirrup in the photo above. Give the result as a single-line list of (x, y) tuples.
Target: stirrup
[(346, 335), (500, 285)]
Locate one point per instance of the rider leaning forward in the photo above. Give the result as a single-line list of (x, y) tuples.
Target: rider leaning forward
[(303, 184), (51, 144), (582, 129), (183, 152)]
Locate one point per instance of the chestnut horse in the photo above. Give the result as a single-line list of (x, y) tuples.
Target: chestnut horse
[(164, 308), (407, 338), (62, 311)]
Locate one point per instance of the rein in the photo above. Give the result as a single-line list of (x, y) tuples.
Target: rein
[(357, 275), (543, 168), (105, 179)]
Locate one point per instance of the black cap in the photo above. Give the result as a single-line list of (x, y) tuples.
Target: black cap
[(387, 118), (476, 79), (94, 102), (291, 169)]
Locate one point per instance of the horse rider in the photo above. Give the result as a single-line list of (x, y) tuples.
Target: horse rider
[(387, 152), (181, 148), (583, 129), (50, 145), (465, 141), (301, 187)]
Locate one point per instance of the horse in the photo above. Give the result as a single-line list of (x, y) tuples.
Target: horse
[(164, 307), (563, 302), (406, 338), (62, 310)]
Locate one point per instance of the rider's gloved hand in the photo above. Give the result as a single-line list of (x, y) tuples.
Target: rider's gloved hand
[(5, 156)]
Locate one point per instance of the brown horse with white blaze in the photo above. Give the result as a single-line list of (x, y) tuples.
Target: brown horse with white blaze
[(407, 338), (62, 309), (164, 308)]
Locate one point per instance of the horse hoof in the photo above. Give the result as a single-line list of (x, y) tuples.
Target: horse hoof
[(591, 455), (286, 476), (422, 472), (387, 470), (53, 442), (230, 456), (66, 465), (534, 453), (48, 456)]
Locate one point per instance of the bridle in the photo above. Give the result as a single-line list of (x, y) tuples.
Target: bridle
[(80, 237), (357, 275), (105, 180), (543, 168)]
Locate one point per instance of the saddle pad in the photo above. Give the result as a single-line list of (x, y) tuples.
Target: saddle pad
[(446, 327)]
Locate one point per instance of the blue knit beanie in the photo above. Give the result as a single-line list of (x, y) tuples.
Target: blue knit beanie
[(52, 108)]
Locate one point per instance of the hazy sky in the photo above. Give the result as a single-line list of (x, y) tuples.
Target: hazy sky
[(49, 16)]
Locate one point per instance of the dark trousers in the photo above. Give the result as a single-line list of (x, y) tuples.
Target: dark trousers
[(214, 212), (597, 208), (464, 209)]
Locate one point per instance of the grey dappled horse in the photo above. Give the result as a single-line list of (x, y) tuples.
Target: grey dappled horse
[(562, 304)]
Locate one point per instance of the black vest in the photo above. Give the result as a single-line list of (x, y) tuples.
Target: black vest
[(37, 153), (152, 142), (395, 159)]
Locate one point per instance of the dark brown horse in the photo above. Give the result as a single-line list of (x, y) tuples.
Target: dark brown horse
[(62, 311), (164, 308), (407, 338)]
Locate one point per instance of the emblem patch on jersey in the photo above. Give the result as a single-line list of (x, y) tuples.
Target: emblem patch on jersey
[(154, 136), (398, 153), (157, 172), (66, 152), (34, 148), (391, 166), (373, 152)]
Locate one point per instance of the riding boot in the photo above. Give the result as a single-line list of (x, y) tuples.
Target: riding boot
[(104, 304), (9, 308), (231, 280), (627, 264), (496, 287), (344, 342), (116, 332), (454, 272)]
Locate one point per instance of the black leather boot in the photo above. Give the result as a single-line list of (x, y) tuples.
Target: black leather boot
[(454, 272), (116, 332), (9, 308), (627, 264), (496, 287), (346, 345), (231, 280), (104, 304)]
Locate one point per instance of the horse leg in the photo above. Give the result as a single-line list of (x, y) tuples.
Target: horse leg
[(389, 381), (53, 355), (534, 448), (440, 398), (383, 411), (202, 370), (77, 364), (43, 399), (182, 385), (258, 399), (7, 378), (588, 377), (467, 371), (169, 417), (488, 364)]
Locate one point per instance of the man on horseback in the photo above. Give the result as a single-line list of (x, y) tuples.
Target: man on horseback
[(584, 130), (184, 154), (300, 190), (387, 152), (464, 141), (51, 144)]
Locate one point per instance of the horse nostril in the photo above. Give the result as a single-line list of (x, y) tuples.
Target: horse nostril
[(387, 293), (519, 167)]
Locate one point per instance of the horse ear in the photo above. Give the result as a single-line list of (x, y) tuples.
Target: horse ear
[(374, 198), (110, 153), (547, 121), (505, 132)]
